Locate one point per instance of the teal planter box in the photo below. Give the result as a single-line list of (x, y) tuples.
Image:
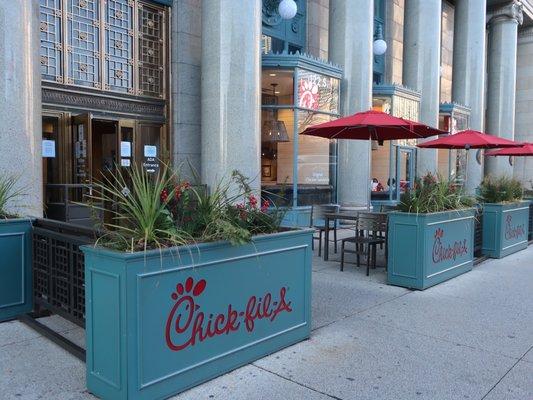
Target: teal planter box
[(505, 228), (15, 268), (297, 217), (158, 323), (427, 249)]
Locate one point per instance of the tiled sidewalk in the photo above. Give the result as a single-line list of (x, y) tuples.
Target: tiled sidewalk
[(468, 338)]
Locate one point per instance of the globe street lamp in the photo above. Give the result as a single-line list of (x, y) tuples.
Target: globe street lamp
[(287, 9), (380, 45)]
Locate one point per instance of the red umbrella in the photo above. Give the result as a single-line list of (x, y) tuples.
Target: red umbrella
[(469, 139), (525, 150), (372, 125)]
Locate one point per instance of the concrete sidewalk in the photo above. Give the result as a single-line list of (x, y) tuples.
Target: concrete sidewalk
[(468, 338)]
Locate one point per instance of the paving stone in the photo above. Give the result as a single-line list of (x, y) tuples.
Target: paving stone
[(337, 295), (15, 332), (248, 383), (76, 336), (39, 369), (494, 329), (361, 359), (56, 323), (516, 385)]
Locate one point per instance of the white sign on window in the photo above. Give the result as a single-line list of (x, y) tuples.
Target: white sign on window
[(125, 162), (150, 151), (49, 148), (125, 149)]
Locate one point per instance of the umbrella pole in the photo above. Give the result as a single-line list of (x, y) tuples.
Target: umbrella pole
[(369, 175), (466, 169)]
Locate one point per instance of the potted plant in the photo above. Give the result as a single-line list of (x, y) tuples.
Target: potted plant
[(187, 285), (505, 216), (431, 235), (15, 247)]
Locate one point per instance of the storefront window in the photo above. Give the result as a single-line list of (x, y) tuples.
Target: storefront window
[(318, 92), (301, 169)]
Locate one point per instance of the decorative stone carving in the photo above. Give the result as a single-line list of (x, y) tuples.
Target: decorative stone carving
[(155, 109), (270, 15), (508, 12)]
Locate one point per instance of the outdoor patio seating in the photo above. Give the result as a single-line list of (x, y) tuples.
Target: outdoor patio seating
[(371, 231), (318, 222)]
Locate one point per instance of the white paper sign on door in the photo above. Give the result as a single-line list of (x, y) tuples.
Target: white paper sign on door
[(125, 149), (150, 151), (49, 148)]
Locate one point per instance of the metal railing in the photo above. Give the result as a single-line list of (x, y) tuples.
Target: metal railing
[(58, 268)]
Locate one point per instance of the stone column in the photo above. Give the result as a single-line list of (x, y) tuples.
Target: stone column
[(350, 44), (20, 102), (523, 166), (231, 89), (468, 84), (501, 85), (421, 66)]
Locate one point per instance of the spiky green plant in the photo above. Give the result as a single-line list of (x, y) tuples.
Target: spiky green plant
[(500, 189), (140, 219), (155, 211), (434, 194), (8, 193)]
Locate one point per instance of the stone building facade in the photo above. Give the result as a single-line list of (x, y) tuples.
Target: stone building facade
[(232, 73)]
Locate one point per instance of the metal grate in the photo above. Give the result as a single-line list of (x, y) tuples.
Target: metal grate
[(58, 268), (478, 232)]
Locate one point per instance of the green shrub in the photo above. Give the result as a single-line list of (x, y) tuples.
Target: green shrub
[(433, 194), (150, 211), (500, 190), (8, 193)]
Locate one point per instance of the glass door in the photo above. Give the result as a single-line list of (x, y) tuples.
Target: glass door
[(81, 149), (150, 150), (126, 140), (405, 169)]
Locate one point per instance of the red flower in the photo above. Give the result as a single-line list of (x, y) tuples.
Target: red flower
[(252, 200), (185, 185), (265, 205), (164, 196)]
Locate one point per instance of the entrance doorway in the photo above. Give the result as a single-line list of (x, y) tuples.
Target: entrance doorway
[(87, 149)]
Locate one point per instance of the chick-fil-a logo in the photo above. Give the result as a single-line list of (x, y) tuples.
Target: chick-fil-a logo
[(444, 252), (187, 324), (308, 94), (513, 232)]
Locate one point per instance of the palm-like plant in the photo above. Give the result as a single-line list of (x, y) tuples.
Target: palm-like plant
[(140, 219), (8, 193)]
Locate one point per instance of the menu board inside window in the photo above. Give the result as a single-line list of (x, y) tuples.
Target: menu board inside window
[(318, 92)]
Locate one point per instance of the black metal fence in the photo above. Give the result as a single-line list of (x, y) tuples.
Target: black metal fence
[(478, 232), (58, 268)]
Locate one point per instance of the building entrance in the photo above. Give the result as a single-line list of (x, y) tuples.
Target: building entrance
[(84, 149)]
